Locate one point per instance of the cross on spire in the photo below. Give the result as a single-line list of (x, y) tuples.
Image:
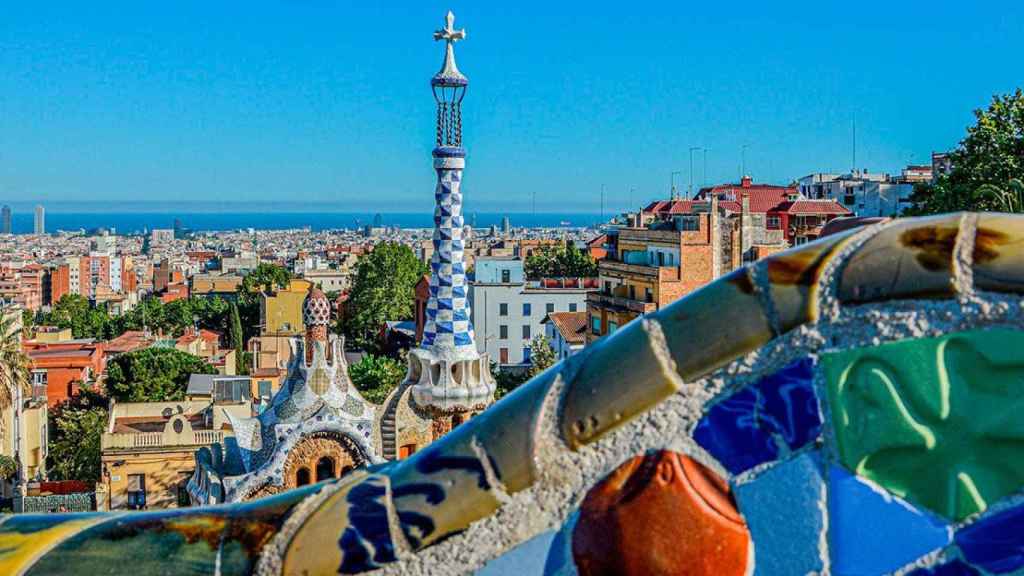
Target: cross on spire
[(449, 34)]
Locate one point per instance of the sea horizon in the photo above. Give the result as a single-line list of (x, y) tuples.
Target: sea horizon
[(133, 222)]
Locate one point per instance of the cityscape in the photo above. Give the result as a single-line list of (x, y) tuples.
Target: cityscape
[(772, 368)]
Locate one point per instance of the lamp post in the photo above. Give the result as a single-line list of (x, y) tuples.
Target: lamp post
[(675, 195)]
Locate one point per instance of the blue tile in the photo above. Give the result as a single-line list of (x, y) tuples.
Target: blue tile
[(872, 531), (747, 428), (526, 558), (954, 568), (783, 512), (995, 543)]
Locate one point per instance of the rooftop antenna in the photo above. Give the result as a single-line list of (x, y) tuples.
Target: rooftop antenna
[(602, 203), (743, 160), (854, 169), (689, 193)]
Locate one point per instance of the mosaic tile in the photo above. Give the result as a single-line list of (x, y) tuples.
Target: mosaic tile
[(782, 508), (662, 513), (560, 561), (715, 324), (954, 568), (995, 543), (747, 428), (910, 258), (935, 421), (871, 532), (607, 392), (526, 558), (793, 277), (998, 260)]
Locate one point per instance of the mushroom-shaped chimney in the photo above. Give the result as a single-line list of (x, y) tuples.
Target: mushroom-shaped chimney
[(316, 315)]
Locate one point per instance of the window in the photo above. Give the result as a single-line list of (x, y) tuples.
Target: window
[(595, 324), (39, 378), (632, 292), (264, 388), (503, 332), (774, 222), (503, 309), (549, 307), (503, 356), (526, 331), (572, 307), (136, 491), (527, 309), (607, 287), (689, 223), (526, 355), (302, 476), (612, 326), (506, 276), (324, 468)]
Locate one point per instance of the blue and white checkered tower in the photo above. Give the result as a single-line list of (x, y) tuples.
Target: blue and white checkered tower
[(450, 375)]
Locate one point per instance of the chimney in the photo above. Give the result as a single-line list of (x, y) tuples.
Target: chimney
[(745, 182)]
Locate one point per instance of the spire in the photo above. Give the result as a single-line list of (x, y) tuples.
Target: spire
[(449, 74)]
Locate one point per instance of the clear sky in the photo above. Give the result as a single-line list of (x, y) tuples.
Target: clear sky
[(318, 101)]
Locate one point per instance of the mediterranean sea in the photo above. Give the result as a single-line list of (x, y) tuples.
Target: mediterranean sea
[(137, 222)]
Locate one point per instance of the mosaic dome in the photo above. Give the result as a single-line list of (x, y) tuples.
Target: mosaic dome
[(316, 308)]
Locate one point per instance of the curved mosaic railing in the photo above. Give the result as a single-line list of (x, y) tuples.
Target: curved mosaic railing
[(846, 407)]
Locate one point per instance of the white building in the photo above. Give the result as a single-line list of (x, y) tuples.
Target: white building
[(566, 332), (863, 193), (508, 310), (40, 220)]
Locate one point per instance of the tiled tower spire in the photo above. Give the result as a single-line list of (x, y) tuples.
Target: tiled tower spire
[(463, 377)]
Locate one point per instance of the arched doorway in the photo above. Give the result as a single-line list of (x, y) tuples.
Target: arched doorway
[(302, 476), (324, 468)]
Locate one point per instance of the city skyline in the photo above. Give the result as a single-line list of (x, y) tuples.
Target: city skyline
[(317, 101)]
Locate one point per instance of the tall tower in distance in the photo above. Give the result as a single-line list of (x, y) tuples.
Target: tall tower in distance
[(450, 379), (40, 221), (5, 217)]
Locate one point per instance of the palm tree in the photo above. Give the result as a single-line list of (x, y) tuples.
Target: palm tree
[(14, 362), (1009, 199)]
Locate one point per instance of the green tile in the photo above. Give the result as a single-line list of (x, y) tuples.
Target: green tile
[(935, 421)]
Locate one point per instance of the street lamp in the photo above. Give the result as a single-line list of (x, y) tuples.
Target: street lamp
[(675, 195)]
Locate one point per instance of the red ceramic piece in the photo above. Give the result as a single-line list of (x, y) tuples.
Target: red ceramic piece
[(662, 513)]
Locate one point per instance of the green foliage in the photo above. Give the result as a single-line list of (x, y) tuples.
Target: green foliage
[(238, 341), (13, 361), (383, 289), (74, 312), (77, 427), (376, 376), (560, 261), (542, 356), (507, 380), (153, 375), (8, 467), (988, 165), (87, 321), (264, 278)]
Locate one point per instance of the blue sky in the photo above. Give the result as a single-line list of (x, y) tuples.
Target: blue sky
[(328, 102)]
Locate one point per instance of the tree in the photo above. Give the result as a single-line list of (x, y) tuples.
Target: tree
[(75, 445), (559, 261), (264, 278), (542, 356), (14, 364), (238, 341), (376, 376), (506, 380), (74, 312), (987, 166), (8, 467), (153, 375), (383, 289)]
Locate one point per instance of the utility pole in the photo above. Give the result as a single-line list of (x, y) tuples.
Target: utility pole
[(689, 193), (704, 171), (675, 195)]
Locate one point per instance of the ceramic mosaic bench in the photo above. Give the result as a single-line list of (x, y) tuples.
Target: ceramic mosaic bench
[(851, 406)]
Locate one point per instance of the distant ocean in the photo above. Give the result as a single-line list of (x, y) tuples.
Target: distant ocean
[(133, 222)]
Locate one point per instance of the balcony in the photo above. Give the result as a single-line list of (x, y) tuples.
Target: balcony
[(601, 300), (144, 440)]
